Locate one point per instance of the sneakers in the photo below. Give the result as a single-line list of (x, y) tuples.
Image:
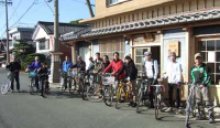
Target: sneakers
[(211, 120), (132, 104)]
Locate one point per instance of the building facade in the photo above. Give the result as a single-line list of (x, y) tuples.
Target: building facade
[(132, 27), (20, 35)]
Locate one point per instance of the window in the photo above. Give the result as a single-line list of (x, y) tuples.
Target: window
[(113, 2), (139, 56), (108, 47), (44, 45), (210, 50)]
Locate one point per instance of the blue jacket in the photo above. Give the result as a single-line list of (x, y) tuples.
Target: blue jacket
[(66, 66), (35, 65)]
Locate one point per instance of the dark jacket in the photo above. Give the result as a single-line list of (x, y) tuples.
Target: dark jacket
[(14, 67), (43, 72), (81, 67), (105, 65), (130, 70)]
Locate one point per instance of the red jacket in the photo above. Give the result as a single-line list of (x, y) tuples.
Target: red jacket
[(116, 67)]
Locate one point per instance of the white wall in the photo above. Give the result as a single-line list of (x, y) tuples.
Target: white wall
[(41, 34)]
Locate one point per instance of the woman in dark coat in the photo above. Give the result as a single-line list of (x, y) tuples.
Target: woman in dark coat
[(131, 73)]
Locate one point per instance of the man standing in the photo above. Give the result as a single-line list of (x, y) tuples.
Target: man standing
[(80, 65), (67, 65), (151, 71), (199, 77), (173, 72), (14, 67)]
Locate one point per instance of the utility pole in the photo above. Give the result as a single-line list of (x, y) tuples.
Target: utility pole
[(90, 8), (6, 3), (55, 54), (56, 25)]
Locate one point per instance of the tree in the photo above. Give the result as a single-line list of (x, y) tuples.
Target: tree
[(75, 21), (21, 51)]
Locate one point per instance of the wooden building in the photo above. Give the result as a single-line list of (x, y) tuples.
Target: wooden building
[(132, 27)]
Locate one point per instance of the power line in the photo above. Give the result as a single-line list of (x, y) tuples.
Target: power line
[(15, 9), (26, 11), (47, 4), (79, 1)]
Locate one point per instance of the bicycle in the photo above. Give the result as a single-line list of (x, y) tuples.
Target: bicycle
[(81, 83), (108, 91), (67, 79), (123, 92), (191, 105), (6, 87), (33, 76), (93, 88), (143, 97)]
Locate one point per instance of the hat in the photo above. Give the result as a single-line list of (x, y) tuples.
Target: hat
[(147, 53), (197, 55)]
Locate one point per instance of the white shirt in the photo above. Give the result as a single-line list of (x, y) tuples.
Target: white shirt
[(173, 72), (150, 72)]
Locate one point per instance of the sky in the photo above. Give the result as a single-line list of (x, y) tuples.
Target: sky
[(41, 10)]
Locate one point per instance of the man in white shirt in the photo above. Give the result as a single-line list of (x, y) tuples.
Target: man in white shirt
[(151, 71), (173, 72)]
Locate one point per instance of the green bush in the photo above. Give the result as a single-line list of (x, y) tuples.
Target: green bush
[(28, 59)]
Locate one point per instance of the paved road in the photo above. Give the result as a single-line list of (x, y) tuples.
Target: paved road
[(31, 111)]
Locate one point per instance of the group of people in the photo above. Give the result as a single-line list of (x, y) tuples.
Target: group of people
[(36, 66), (127, 69)]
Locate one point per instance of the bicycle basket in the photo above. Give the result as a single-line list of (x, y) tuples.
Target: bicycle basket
[(110, 80), (32, 74)]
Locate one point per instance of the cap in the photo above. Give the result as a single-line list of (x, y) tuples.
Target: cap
[(197, 55), (147, 53)]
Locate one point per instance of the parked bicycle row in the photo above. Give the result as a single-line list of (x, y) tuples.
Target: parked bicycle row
[(118, 82)]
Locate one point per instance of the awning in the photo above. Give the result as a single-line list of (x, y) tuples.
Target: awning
[(148, 23)]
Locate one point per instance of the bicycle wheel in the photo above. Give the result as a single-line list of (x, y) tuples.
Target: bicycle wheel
[(32, 86), (5, 88), (157, 106), (118, 97), (139, 101), (108, 95), (83, 87), (90, 92)]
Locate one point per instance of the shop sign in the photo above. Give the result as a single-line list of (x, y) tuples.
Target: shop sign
[(144, 38), (174, 46)]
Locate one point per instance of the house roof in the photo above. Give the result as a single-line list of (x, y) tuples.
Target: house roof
[(21, 29), (63, 27), (148, 23)]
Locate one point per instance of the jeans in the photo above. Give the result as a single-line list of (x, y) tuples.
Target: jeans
[(36, 80), (171, 101), (66, 80), (15, 76), (151, 90)]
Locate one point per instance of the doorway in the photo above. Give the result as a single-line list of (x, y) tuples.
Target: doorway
[(139, 55)]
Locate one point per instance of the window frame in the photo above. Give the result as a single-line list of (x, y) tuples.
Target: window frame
[(215, 73), (109, 4)]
